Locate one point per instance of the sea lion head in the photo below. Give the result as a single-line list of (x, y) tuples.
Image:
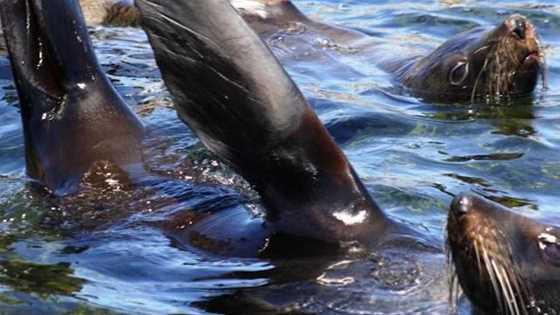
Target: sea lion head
[(505, 263), (481, 63)]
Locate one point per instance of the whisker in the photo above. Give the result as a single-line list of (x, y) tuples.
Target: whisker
[(478, 259), (478, 77), (513, 300), (490, 271), (543, 71), (542, 64), (498, 72), (454, 293), (521, 292), (503, 289)]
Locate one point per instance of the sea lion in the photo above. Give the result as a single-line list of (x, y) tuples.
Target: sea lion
[(498, 62), (477, 64), (272, 129), (233, 93), (71, 114), (243, 106), (505, 263), (481, 63)]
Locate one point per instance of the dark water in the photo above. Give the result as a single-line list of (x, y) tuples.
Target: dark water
[(103, 251)]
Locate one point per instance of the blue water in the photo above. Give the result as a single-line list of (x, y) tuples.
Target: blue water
[(103, 251)]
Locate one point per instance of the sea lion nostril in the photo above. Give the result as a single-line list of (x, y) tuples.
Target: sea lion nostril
[(518, 27), (461, 204)]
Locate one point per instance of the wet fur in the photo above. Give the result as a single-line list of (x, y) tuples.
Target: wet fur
[(494, 255), (121, 14)]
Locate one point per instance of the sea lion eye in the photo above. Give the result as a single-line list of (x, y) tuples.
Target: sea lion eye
[(459, 73), (550, 248)]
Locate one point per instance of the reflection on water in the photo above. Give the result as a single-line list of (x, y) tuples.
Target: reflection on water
[(104, 250)]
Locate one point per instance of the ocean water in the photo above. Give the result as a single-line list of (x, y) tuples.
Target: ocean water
[(103, 251)]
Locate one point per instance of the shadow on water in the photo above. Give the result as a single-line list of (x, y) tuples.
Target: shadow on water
[(104, 250)]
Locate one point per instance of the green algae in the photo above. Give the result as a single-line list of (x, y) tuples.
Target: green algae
[(44, 280)]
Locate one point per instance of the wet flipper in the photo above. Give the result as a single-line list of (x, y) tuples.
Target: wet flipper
[(71, 114), (235, 96)]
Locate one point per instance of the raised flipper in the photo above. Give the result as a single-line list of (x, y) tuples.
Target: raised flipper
[(235, 96), (72, 116)]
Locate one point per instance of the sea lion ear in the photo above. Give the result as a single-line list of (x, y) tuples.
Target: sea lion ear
[(459, 72)]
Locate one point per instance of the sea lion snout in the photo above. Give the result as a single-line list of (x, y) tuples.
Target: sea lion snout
[(461, 204), (506, 263), (518, 25), (469, 207), (525, 38)]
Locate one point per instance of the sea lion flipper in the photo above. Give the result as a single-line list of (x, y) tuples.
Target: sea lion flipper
[(60, 23), (71, 114), (236, 97), (21, 38)]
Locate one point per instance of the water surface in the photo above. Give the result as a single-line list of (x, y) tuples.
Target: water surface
[(103, 250)]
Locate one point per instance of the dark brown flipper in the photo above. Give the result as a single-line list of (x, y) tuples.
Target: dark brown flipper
[(236, 97), (71, 114)]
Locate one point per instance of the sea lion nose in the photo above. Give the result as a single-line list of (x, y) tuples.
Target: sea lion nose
[(462, 204), (517, 25)]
